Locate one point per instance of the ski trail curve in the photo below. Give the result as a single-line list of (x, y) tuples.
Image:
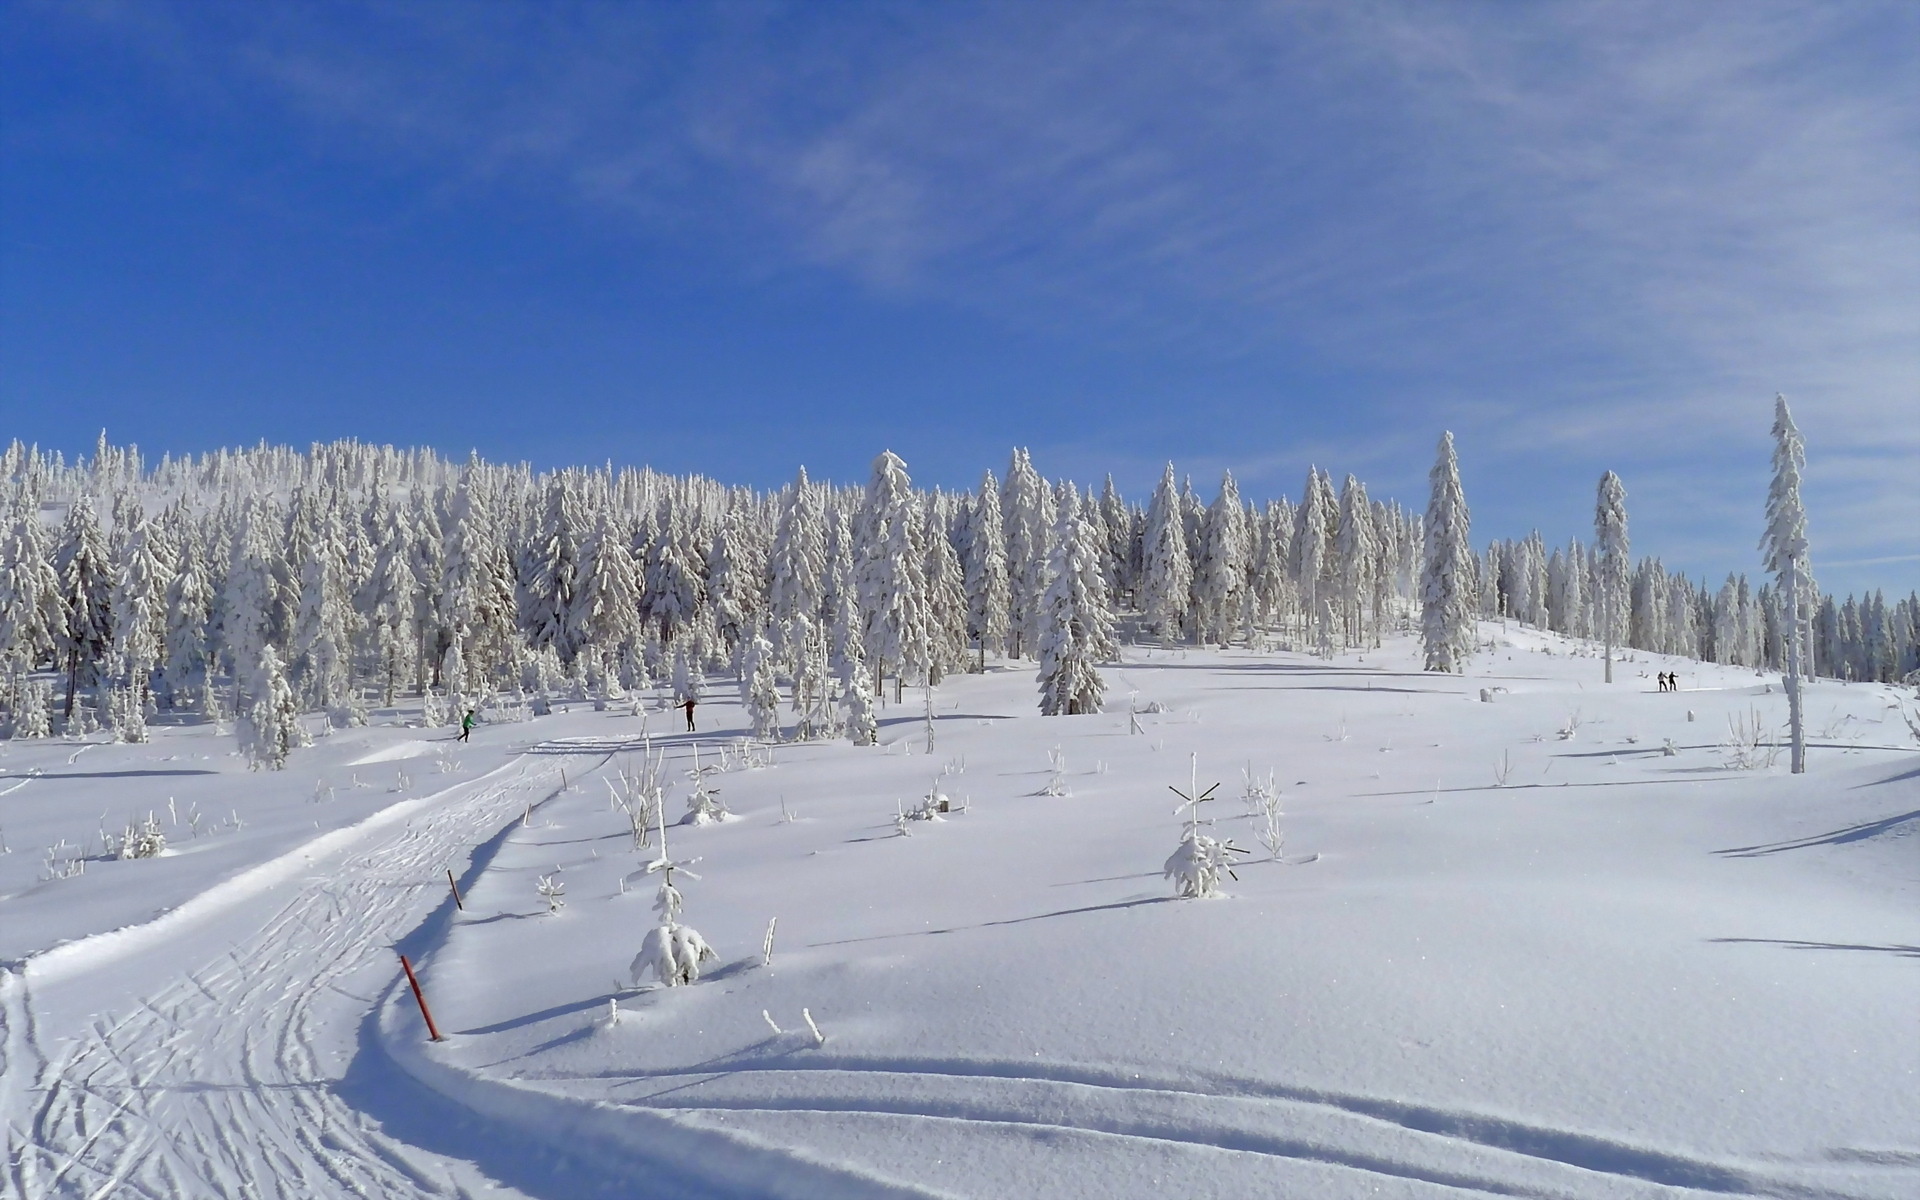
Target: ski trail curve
[(223, 1081)]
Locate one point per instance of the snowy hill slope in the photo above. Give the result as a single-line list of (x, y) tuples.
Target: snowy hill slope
[(1491, 958), (1624, 972)]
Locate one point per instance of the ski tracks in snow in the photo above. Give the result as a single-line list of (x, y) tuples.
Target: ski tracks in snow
[(223, 1082)]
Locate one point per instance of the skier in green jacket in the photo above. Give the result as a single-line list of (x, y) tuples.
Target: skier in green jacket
[(466, 725)]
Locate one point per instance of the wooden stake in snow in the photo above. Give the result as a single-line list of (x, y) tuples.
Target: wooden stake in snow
[(457, 902), (819, 1039), (420, 997), (766, 947)]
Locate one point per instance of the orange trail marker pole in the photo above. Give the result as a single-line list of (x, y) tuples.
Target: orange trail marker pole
[(420, 996), (457, 902)]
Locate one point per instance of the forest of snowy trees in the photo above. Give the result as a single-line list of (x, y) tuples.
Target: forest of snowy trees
[(258, 584)]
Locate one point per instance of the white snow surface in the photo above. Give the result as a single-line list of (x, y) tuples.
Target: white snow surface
[(1491, 961)]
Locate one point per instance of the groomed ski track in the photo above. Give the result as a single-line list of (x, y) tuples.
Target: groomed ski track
[(250, 1068)]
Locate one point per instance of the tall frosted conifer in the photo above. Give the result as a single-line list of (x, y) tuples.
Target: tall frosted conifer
[(1356, 553), (986, 567), (1784, 547), (1221, 573), (1612, 563), (1448, 589), (1076, 630), (1023, 510), (1166, 570), (889, 573)]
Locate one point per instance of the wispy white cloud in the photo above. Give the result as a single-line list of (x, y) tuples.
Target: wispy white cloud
[(1582, 234)]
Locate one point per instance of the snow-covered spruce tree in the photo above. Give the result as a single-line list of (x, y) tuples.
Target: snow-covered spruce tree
[(387, 601), (1313, 558), (1611, 564), (1117, 563), (30, 717), (1220, 574), (1447, 585), (1023, 510), (1166, 570), (675, 589), (272, 728), (672, 950), (758, 692), (1784, 550), (1355, 563), (946, 601), (30, 611), (986, 568), (85, 596), (796, 575), (547, 570), (605, 613), (1076, 631), (889, 576), (321, 641), (849, 662), (139, 587)]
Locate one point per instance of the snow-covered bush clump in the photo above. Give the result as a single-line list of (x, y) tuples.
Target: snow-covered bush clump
[(1197, 865), (673, 953), (31, 719), (144, 840)]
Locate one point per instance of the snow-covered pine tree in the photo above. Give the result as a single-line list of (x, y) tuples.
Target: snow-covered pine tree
[(86, 582), (606, 590), (1314, 525), (1076, 632), (321, 638), (1221, 572), (1166, 570), (30, 611), (387, 601), (1023, 509), (272, 729), (1355, 561), (1611, 564), (986, 568), (1447, 584), (889, 575), (547, 570), (1116, 523), (139, 585), (1784, 551), (850, 668), (675, 586), (796, 572), (946, 600), (759, 694), (736, 573)]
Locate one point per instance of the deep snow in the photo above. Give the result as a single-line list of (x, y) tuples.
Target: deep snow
[(1625, 972)]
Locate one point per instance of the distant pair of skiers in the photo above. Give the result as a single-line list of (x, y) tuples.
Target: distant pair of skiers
[(1669, 681)]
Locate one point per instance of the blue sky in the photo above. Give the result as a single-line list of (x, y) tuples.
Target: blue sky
[(735, 238)]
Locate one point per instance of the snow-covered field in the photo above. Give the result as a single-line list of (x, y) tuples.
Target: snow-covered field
[(1551, 942)]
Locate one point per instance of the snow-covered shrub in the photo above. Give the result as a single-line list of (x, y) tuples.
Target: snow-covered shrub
[(671, 950), (30, 721), (1748, 743), (673, 953), (129, 715), (1056, 774), (144, 840), (553, 891), (1197, 865), (1262, 797), (704, 805)]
